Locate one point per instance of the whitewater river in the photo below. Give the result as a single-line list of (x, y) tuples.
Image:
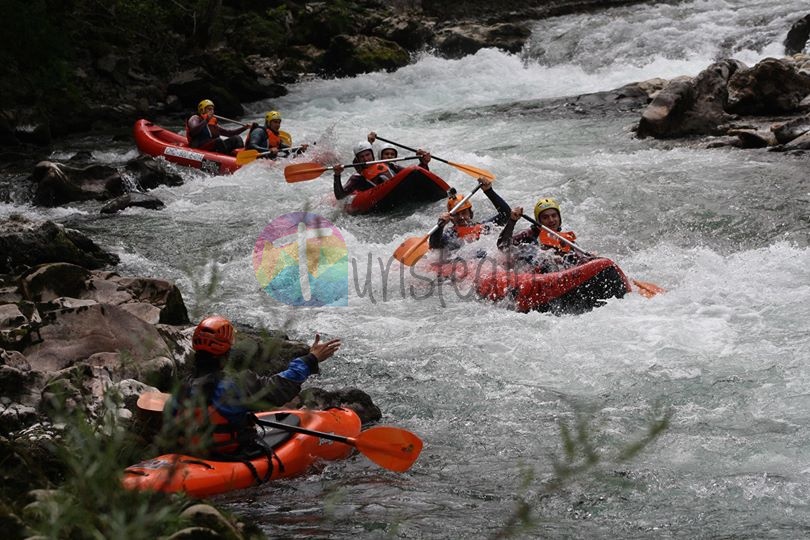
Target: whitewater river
[(724, 351)]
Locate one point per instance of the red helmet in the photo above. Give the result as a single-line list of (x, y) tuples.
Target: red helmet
[(214, 335)]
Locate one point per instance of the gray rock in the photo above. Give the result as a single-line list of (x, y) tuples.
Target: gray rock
[(132, 198)]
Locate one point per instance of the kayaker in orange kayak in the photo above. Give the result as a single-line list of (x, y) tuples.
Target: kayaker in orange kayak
[(553, 254), (369, 176), (214, 410), (203, 131), (463, 228)]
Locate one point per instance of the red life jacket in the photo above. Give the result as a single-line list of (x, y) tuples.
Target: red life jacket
[(469, 232), (273, 140), (377, 173), (552, 241)]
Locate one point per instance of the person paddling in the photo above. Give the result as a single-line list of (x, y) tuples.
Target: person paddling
[(389, 151), (463, 228), (553, 254), (369, 176), (268, 140), (203, 131), (212, 403)]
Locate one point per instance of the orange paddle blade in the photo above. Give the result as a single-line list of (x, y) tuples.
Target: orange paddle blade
[(647, 289), (411, 250), (246, 156), (395, 449), (473, 171), (153, 401), (298, 172)]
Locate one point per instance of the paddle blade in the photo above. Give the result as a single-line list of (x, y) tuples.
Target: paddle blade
[(153, 401), (647, 289), (299, 172), (285, 137), (411, 250), (246, 156), (393, 448), (473, 171)]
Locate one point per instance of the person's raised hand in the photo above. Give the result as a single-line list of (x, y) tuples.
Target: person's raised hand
[(338, 169), (444, 218), (322, 351), (372, 137), (424, 156), (516, 213), (486, 183)]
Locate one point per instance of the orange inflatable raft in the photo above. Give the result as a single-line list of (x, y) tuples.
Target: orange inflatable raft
[(292, 454)]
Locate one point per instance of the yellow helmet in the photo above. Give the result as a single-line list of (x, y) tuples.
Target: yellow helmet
[(203, 104), (272, 115), (543, 205), (454, 199)]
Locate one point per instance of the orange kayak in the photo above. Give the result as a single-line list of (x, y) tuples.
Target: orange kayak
[(292, 454)]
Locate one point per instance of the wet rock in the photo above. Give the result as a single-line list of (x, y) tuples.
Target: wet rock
[(58, 184), (752, 138), (159, 293), (350, 398), (799, 143), (770, 87), (52, 280), (352, 55), (409, 32), (796, 39), (193, 83), (203, 515), (467, 38), (691, 107), (16, 417), (792, 129), (132, 199), (28, 243), (70, 335)]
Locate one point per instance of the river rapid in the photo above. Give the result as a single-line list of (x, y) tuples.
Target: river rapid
[(724, 351)]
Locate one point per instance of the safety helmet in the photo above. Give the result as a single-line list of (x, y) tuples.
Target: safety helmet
[(203, 104), (543, 205), (388, 146), (362, 146), (454, 199), (214, 335), (272, 115)]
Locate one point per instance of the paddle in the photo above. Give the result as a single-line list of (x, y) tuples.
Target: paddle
[(393, 448), (645, 288), (415, 247), (300, 172), (230, 120), (467, 169), (247, 156)]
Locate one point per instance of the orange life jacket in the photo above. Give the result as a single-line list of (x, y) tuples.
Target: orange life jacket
[(273, 140), (377, 173), (469, 232), (552, 241), (224, 438)]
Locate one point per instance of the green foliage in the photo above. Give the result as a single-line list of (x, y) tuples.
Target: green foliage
[(91, 503)]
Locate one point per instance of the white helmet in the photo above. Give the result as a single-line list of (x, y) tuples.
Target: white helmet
[(388, 146), (362, 146)]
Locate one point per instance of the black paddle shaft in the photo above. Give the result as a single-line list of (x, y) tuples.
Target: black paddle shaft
[(413, 150), (304, 431)]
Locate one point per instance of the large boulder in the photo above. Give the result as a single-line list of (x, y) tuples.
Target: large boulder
[(28, 243), (796, 39), (770, 87), (150, 173), (467, 38), (352, 55), (132, 199), (57, 183), (74, 334), (787, 131), (691, 107)]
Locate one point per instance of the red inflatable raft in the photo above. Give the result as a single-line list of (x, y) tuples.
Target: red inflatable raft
[(410, 185), (156, 141), (574, 290), (292, 454)]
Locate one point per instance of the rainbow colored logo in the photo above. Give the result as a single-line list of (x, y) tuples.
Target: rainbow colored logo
[(300, 259)]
